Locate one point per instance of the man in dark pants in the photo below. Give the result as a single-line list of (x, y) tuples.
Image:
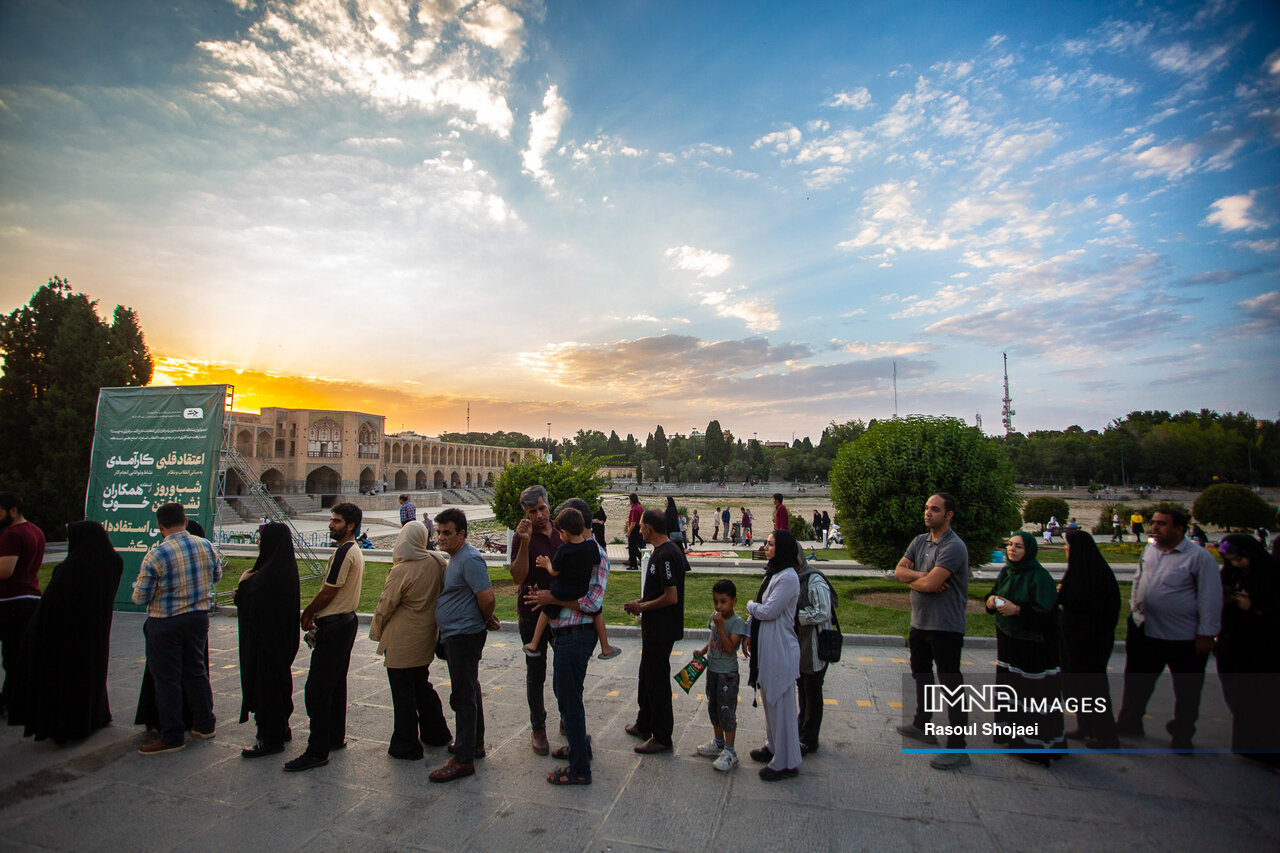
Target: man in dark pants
[(333, 616), (1177, 611), (535, 537), (176, 585), (574, 639), (936, 567), (635, 541), (21, 554), (662, 604), (464, 612)]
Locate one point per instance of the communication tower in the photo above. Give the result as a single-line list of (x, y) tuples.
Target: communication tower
[(1007, 413)]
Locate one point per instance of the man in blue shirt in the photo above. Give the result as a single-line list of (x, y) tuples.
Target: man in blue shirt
[(408, 512), (464, 612)]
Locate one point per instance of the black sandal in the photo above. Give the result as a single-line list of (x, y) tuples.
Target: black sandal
[(566, 776)]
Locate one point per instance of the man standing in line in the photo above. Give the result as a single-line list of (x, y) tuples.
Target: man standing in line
[(408, 512), (1177, 611), (635, 541), (21, 554), (464, 612), (573, 637), (936, 567), (333, 616), (781, 515), (715, 531), (662, 604), (535, 537), (724, 520), (176, 585)]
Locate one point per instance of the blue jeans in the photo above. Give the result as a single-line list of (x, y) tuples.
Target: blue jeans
[(176, 660), (569, 674)]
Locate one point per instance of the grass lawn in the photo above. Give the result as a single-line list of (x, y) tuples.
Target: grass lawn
[(856, 617)]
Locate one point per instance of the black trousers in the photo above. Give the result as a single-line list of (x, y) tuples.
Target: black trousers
[(465, 697), (809, 691), (535, 671), (326, 690), (418, 712), (941, 649), (15, 615), (653, 693), (1145, 658), (635, 544)]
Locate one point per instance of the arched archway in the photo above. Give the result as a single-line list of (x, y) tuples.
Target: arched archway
[(468, 479), (367, 478), (454, 480), (273, 480), (234, 484), (438, 480), (395, 453), (324, 481), (417, 454), (420, 480), (244, 442), (402, 480), (324, 438)]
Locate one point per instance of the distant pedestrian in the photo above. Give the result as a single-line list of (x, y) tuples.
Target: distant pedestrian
[(817, 525), (635, 542), (1135, 525), (826, 528), (598, 518), (781, 515), (408, 512), (715, 531), (1117, 532), (694, 536), (725, 515)]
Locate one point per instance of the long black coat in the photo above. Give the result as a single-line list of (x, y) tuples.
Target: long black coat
[(268, 602)]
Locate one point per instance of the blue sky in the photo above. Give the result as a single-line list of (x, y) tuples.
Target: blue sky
[(613, 215)]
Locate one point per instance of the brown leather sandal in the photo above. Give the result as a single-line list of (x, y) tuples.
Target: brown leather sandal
[(452, 770)]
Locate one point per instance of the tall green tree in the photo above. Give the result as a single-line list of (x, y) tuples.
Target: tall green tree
[(715, 451), (57, 354), (574, 476), (881, 480)]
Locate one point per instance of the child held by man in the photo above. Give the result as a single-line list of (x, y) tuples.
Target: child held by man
[(721, 651), (570, 571)]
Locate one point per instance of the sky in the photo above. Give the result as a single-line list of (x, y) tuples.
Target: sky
[(623, 214)]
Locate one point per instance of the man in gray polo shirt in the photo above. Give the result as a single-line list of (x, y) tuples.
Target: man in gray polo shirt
[(1177, 611), (936, 567)]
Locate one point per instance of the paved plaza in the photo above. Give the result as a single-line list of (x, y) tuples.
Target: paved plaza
[(859, 792)]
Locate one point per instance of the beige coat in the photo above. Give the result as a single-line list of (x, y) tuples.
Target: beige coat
[(404, 623)]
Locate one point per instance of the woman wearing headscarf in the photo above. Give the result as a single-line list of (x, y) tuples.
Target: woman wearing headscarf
[(404, 624), (267, 603), (71, 639), (675, 530), (1024, 601), (1248, 647), (775, 656), (1089, 598)]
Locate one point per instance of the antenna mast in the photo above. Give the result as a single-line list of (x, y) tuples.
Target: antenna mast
[(468, 416), (895, 389), (1007, 414)]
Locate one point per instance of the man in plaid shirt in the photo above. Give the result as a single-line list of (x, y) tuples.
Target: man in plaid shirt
[(573, 637), (176, 585)]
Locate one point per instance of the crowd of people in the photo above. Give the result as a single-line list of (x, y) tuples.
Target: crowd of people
[(1054, 640)]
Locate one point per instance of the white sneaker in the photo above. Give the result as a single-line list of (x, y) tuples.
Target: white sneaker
[(710, 749), (727, 761)]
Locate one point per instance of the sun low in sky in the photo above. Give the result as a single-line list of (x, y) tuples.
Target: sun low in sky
[(614, 215)]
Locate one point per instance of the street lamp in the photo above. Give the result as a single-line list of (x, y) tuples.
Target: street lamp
[(548, 441)]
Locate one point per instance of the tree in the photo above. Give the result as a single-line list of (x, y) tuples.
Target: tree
[(1039, 510), (715, 453), (660, 445), (881, 480), (57, 354), (1230, 506), (574, 476)]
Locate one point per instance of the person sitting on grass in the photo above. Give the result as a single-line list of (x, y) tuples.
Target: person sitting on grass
[(570, 570)]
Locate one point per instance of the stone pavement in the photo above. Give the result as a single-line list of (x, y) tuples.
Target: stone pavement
[(860, 792)]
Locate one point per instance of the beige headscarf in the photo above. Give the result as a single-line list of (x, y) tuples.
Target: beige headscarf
[(411, 544), (404, 622)]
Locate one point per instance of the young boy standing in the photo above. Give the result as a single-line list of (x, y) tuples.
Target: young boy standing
[(721, 650)]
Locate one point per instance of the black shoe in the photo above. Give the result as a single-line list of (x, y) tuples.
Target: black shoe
[(306, 761), (334, 747), (763, 755), (407, 756), (260, 749), (768, 774), (806, 749)]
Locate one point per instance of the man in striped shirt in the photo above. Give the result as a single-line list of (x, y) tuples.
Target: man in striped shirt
[(176, 585)]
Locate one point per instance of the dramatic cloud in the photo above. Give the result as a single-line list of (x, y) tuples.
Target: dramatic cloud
[(544, 130)]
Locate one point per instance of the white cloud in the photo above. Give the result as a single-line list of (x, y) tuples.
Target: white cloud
[(608, 147), (703, 263), (945, 299), (544, 131), (1234, 213), (855, 99), (759, 315), (1170, 161), (1181, 58), (889, 219), (781, 141), (1263, 312), (1259, 246)]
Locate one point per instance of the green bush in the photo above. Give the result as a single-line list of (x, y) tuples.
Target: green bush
[(575, 476), (1040, 509), (1104, 527), (1147, 510), (1230, 506), (881, 480), (802, 530)]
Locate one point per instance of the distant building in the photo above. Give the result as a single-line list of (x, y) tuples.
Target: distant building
[(328, 452)]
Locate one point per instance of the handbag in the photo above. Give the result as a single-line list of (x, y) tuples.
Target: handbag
[(831, 640)]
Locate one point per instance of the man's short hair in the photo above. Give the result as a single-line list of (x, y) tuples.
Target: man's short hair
[(10, 500), (454, 516), (777, 496), (1180, 518), (532, 496), (404, 498), (569, 520), (948, 502), (171, 515), (724, 586), (580, 505), (656, 519), (349, 512)]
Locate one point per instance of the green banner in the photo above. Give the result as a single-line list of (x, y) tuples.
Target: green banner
[(152, 446)]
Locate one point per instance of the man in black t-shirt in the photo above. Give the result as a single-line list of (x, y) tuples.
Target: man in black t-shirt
[(662, 603)]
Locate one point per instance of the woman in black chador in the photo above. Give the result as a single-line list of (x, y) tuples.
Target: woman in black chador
[(268, 605), (1090, 600), (71, 639)]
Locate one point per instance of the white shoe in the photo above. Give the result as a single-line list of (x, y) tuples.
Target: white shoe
[(727, 761), (710, 749)]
